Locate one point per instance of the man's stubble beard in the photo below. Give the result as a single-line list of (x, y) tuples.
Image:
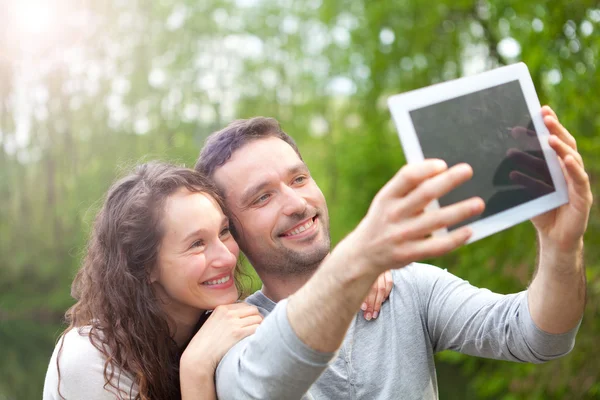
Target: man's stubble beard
[(285, 261)]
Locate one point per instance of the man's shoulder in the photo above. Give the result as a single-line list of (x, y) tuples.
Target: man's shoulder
[(262, 302), (418, 281), (418, 273)]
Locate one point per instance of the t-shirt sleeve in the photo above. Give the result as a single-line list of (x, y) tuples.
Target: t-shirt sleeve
[(271, 364), (82, 372), (478, 322)]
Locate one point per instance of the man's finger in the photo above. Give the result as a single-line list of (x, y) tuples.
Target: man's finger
[(412, 175), (534, 186), (436, 246), (556, 129), (529, 162), (577, 172), (430, 221), (563, 150), (434, 188), (547, 110), (580, 194)]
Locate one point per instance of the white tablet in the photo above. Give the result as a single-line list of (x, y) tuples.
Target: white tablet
[(493, 122)]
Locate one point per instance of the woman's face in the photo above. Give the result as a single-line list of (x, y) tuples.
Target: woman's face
[(197, 256)]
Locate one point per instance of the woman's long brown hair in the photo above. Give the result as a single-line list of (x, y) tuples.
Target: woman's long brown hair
[(112, 288)]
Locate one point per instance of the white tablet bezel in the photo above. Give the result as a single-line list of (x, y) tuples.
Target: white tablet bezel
[(402, 104)]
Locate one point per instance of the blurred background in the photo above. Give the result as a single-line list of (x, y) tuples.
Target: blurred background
[(88, 88)]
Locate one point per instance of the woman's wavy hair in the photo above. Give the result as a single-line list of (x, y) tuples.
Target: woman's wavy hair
[(114, 296)]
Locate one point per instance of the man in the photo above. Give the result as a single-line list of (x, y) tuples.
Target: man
[(281, 223)]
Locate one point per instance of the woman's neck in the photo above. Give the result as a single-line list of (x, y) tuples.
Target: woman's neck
[(183, 332), (182, 324)]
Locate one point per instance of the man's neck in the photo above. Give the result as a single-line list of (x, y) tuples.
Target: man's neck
[(279, 287)]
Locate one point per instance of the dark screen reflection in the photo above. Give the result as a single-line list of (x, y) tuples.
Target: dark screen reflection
[(492, 131)]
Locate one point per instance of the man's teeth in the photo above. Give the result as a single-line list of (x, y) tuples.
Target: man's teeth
[(218, 281), (301, 228)]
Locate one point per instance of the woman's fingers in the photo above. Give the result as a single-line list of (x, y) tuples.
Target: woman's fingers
[(378, 294), (389, 283), (381, 294), (369, 302), (245, 311), (248, 330), (251, 320)]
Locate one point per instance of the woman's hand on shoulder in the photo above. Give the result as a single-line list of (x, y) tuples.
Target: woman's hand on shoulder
[(227, 325), (380, 291)]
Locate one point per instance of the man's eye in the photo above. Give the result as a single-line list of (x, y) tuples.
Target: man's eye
[(262, 198), (300, 179)]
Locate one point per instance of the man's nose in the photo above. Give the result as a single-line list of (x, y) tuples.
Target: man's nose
[(294, 203)]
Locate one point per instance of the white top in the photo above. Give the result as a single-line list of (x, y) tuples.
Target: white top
[(82, 372)]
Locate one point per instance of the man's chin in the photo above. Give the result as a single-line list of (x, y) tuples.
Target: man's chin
[(311, 254), (304, 244)]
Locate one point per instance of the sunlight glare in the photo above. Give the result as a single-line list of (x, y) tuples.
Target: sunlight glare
[(34, 17)]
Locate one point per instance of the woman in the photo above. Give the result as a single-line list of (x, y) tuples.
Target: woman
[(160, 255)]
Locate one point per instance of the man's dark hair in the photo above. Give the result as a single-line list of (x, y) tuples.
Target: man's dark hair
[(222, 144)]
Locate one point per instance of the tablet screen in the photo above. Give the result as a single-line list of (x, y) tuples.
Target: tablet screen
[(491, 130)]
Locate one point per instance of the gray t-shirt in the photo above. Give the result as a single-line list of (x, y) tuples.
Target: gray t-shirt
[(429, 310)]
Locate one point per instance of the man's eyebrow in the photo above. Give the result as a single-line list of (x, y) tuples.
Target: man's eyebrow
[(252, 191), (300, 167)]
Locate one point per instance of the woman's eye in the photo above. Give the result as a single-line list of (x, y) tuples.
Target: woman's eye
[(225, 232), (197, 244)]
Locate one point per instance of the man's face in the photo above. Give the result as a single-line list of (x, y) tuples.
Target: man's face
[(278, 210)]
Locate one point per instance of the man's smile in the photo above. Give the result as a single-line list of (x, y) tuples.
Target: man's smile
[(302, 230)]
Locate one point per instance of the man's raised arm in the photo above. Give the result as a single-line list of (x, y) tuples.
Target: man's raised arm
[(557, 293), (295, 342)]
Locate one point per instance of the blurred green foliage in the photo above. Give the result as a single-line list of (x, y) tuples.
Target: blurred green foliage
[(119, 82)]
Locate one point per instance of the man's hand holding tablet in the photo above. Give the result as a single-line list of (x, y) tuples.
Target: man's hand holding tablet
[(525, 166), (493, 122), (564, 227)]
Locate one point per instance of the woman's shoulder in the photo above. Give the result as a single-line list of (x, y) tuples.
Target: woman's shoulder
[(81, 366), (77, 354), (78, 351)]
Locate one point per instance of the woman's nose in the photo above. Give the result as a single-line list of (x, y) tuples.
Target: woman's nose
[(221, 257)]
